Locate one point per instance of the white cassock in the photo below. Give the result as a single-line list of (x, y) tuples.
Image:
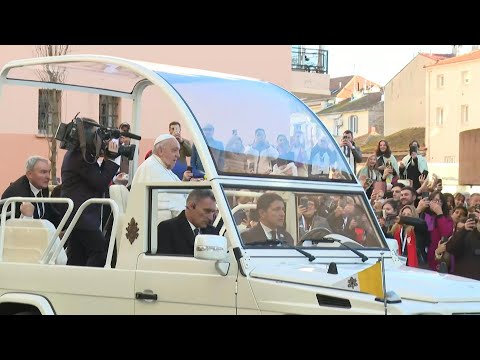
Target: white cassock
[(153, 169)]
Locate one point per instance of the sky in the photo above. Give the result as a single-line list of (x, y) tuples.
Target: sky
[(378, 63)]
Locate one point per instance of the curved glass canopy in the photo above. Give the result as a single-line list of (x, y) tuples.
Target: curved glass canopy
[(255, 128)]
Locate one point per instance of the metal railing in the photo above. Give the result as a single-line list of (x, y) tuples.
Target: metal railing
[(310, 60)]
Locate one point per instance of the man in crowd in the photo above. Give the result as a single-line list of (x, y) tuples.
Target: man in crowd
[(350, 150), (177, 236), (34, 184), (271, 211), (175, 129)]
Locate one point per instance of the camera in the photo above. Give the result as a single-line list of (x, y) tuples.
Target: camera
[(413, 149), (92, 138)]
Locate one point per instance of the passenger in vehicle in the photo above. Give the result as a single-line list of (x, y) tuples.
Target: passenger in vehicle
[(260, 154), (271, 211), (177, 236), (34, 184), (158, 167)]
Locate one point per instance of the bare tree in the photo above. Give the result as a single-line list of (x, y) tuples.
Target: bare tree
[(52, 113)]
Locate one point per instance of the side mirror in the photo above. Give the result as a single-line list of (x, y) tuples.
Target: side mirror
[(210, 247)]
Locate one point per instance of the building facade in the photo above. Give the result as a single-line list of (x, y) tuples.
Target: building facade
[(23, 110)]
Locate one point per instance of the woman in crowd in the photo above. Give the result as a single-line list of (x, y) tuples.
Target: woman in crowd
[(369, 174), (386, 163), (412, 236), (459, 199), (459, 217), (439, 224), (389, 213), (450, 202), (413, 165)]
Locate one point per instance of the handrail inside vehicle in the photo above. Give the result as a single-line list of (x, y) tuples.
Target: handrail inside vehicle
[(11, 202)]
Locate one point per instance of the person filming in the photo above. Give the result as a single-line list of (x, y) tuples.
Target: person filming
[(84, 177)]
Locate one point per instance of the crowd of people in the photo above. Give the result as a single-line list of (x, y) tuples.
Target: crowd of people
[(434, 230)]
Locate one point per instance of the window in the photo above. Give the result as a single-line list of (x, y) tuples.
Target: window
[(466, 77), (353, 124), (439, 116), (109, 110), (170, 203), (440, 81), (464, 114), (49, 110)]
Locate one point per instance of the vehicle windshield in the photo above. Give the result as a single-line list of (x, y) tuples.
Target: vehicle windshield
[(302, 218), (255, 128)]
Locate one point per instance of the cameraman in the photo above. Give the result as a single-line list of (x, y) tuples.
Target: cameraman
[(350, 150), (83, 179)]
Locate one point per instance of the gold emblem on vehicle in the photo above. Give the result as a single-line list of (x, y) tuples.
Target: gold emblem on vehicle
[(132, 230)]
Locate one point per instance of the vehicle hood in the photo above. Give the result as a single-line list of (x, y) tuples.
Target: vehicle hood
[(407, 282)]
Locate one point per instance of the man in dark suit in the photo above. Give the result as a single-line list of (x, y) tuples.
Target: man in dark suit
[(83, 179), (34, 184), (271, 211), (177, 236)]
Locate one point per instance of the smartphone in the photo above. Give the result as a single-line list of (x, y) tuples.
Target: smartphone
[(425, 195), (388, 163), (413, 149), (425, 173), (444, 239), (473, 217), (304, 202), (439, 182), (189, 168)]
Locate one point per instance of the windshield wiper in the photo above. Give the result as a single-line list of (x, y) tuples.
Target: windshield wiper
[(303, 252), (327, 239), (277, 242)]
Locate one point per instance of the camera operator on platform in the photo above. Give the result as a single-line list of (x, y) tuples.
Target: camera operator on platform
[(84, 178)]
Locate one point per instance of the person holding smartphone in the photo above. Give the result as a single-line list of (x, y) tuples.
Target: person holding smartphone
[(465, 246), (413, 165), (351, 151)]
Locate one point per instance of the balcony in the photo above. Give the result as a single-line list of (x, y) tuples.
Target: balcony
[(310, 79), (310, 60)]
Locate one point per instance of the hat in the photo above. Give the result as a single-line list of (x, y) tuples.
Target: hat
[(208, 126), (163, 137)]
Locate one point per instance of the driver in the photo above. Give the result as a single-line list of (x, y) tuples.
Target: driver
[(271, 211)]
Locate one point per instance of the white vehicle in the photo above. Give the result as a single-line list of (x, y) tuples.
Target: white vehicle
[(322, 272)]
